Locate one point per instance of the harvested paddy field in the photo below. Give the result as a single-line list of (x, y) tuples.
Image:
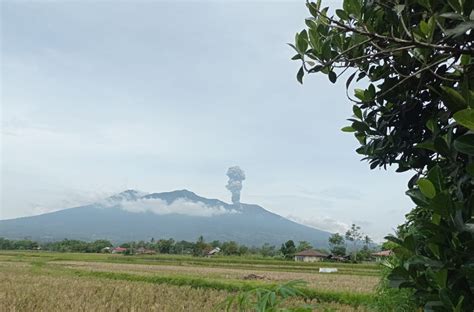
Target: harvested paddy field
[(86, 282), (323, 281)]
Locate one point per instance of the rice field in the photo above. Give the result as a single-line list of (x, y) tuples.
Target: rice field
[(40, 281)]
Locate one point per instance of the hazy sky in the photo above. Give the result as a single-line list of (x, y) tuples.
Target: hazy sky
[(99, 97)]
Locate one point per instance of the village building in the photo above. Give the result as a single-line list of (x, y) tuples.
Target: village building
[(106, 250), (144, 251), (213, 252), (310, 255), (119, 250), (381, 255)]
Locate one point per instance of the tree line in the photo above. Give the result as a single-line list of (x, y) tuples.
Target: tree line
[(164, 246), (337, 246)]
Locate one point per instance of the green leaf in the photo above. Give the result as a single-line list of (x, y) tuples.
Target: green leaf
[(436, 177), (425, 3), (360, 94), (302, 41), (460, 29), (445, 298), (342, 14), (453, 16), (427, 188), (360, 126), (470, 169), (399, 8), (458, 307), (431, 124), (348, 129), (313, 8), (441, 204), (441, 277), (465, 144), (442, 147), (352, 7), (332, 76), (429, 145), (455, 5), (436, 219), (417, 197), (465, 118), (300, 74), (453, 100), (357, 111)]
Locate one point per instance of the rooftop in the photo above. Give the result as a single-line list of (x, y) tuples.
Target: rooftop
[(310, 253)]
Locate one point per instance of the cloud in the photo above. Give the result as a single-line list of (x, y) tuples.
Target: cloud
[(342, 193), (322, 223), (179, 206)]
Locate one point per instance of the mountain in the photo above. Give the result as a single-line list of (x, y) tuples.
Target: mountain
[(181, 215)]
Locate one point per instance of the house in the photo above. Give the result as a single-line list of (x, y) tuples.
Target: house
[(106, 250), (310, 255), (381, 255), (119, 250), (213, 252), (144, 251)]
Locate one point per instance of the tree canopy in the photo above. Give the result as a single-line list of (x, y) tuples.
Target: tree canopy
[(412, 61)]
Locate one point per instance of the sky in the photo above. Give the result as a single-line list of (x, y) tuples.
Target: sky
[(102, 96)]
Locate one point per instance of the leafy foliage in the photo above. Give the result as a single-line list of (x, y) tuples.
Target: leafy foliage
[(337, 244), (288, 249), (416, 113), (267, 299), (354, 235)]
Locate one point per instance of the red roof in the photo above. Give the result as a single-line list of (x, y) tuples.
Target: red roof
[(311, 253), (120, 249)]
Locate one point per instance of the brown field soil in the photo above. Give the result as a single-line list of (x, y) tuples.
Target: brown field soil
[(320, 281), (22, 288)]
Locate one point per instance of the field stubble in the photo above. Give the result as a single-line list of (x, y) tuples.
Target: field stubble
[(23, 289)]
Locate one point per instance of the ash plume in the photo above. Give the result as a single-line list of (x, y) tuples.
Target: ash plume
[(234, 185)]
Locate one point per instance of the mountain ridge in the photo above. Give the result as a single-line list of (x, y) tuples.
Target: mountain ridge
[(179, 214)]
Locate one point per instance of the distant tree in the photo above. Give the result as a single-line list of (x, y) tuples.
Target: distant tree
[(125, 245), (288, 249), (230, 248), (364, 254), (303, 245), (354, 235), (337, 244), (5, 244), (98, 245), (165, 245), (243, 250), (24, 244), (367, 240), (267, 250), (183, 247), (215, 243), (200, 247)]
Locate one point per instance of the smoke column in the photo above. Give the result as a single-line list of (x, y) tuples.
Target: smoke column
[(236, 176)]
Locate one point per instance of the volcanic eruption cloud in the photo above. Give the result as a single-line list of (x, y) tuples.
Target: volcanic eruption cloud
[(236, 176)]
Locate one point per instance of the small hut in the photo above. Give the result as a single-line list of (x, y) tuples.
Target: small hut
[(310, 255), (381, 255)]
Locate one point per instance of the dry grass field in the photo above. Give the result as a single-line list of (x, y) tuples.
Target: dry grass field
[(39, 282)]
